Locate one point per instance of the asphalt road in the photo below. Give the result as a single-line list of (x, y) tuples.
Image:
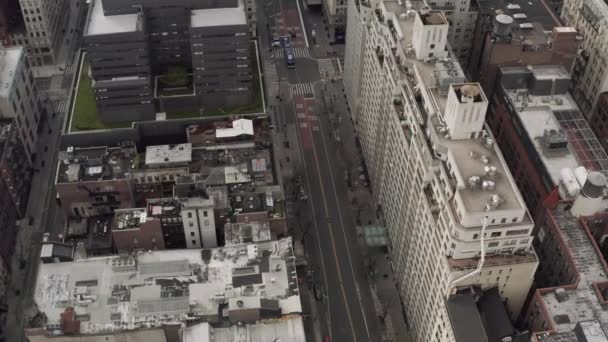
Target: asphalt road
[(346, 311)]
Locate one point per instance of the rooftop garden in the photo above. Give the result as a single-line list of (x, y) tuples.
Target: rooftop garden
[(84, 116), (176, 81)]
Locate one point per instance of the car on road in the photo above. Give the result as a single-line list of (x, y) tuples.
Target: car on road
[(318, 290), (276, 42), (289, 58), (285, 42)]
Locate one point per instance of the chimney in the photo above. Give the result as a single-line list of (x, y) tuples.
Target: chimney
[(589, 199)]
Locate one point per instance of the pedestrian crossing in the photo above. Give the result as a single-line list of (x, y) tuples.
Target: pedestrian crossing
[(301, 89), (298, 52)]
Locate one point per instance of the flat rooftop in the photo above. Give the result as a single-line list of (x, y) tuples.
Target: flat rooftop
[(95, 163), (9, 62), (246, 232), (581, 303), (557, 112), (168, 154), (229, 16), (129, 218), (284, 329), (153, 288), (534, 11), (100, 24)]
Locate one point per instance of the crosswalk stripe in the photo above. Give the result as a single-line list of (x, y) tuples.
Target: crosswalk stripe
[(297, 53), (301, 88)]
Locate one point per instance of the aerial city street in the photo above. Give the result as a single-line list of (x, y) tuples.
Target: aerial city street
[(303, 170)]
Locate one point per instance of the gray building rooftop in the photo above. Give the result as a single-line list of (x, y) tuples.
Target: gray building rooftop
[(95, 163), (154, 288), (100, 24)]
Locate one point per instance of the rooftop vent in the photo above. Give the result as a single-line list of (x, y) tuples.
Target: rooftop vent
[(555, 139), (485, 159), (490, 171), (502, 25), (561, 295), (488, 185), (474, 182), (526, 26)]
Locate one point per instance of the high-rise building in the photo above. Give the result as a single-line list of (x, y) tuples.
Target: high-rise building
[(11, 21), (44, 22), (335, 12), (130, 45), (454, 215), (462, 16), (518, 33), (543, 135), (589, 74), (19, 96)]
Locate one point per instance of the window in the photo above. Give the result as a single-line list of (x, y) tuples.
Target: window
[(189, 215), (514, 219), (194, 242), (205, 213), (503, 220), (517, 232), (475, 236), (493, 244), (191, 233), (191, 224), (432, 46), (496, 234)]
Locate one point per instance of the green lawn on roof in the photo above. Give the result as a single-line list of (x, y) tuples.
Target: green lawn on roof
[(85, 116)]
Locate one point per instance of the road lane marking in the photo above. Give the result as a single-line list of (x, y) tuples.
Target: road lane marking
[(333, 242), (314, 221)]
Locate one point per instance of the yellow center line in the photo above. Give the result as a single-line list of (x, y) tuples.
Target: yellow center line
[(333, 242)]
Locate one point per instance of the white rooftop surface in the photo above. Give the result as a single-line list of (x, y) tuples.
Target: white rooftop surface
[(538, 116), (228, 16), (9, 62), (168, 154), (123, 294), (240, 232), (102, 24), (239, 127)]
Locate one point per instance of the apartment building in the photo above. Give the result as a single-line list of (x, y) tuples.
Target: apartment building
[(10, 20), (454, 215), (589, 74), (599, 120), (19, 97), (199, 222), (133, 46), (462, 15), (358, 14), (518, 33), (543, 135), (572, 277)]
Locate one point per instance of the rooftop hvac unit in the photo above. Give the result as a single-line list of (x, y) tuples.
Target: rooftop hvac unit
[(555, 140)]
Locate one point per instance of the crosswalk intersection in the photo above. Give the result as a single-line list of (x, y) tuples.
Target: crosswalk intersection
[(298, 52)]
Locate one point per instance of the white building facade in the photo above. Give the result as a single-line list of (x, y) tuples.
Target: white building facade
[(44, 21), (454, 214), (199, 222), (19, 96), (590, 71)]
